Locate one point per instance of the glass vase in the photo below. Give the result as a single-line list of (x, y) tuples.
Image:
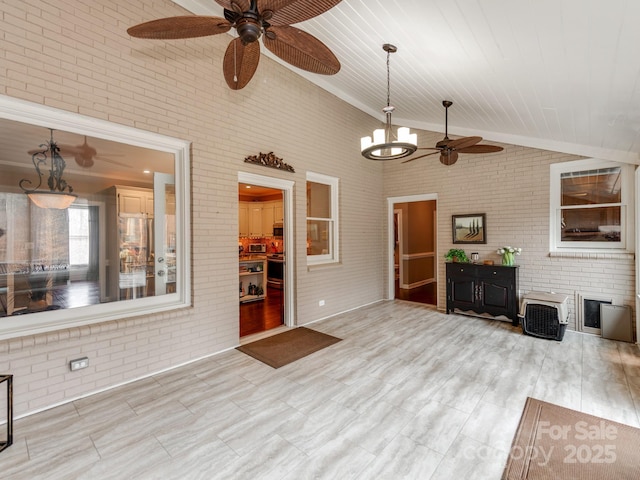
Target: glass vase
[(508, 259)]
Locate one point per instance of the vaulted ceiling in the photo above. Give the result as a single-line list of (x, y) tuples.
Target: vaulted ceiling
[(561, 75)]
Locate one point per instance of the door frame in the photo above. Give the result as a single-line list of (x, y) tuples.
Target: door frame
[(160, 263), (637, 256), (391, 201), (398, 213), (287, 203)]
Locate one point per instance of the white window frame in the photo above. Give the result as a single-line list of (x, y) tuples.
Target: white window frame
[(334, 254), (48, 117), (626, 243)]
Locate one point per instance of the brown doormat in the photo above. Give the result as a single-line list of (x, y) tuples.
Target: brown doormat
[(287, 347), (554, 442)]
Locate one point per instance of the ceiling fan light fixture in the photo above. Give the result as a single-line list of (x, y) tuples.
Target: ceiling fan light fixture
[(386, 146), (249, 30)]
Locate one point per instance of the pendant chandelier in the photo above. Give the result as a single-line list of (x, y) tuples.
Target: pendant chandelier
[(59, 195), (386, 146)]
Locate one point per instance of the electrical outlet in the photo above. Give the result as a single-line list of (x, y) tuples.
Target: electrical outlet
[(79, 363), (321, 303)]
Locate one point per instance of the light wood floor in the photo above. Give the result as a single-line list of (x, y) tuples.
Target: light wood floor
[(410, 393)]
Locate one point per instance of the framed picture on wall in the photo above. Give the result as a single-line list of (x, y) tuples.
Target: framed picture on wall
[(469, 228)]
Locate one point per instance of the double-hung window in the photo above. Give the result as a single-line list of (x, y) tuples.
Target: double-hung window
[(591, 206), (322, 219)]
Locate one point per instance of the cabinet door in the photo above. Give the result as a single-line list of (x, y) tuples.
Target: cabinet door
[(130, 202), (135, 201), (148, 204), (463, 292), (495, 296), (267, 219), (278, 212), (461, 287), (255, 221), (243, 220)]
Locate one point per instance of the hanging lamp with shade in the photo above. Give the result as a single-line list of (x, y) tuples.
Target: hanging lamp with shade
[(60, 194), (385, 145)]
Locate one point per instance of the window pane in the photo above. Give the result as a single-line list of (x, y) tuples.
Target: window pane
[(601, 224), (38, 246), (318, 237), (318, 200), (78, 236), (590, 187)]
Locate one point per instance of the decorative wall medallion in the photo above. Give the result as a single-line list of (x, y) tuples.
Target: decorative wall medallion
[(269, 160)]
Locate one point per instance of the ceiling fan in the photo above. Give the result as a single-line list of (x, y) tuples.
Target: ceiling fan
[(449, 149), (85, 155), (252, 19)]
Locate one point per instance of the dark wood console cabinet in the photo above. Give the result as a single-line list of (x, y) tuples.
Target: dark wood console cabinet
[(491, 289)]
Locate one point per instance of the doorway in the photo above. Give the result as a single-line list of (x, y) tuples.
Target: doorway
[(413, 247), (265, 247)]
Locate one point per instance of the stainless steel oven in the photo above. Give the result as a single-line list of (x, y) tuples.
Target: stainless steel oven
[(275, 271)]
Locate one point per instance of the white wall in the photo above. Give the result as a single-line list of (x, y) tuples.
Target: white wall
[(76, 56)]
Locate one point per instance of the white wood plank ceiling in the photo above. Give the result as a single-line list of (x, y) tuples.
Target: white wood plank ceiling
[(561, 75)]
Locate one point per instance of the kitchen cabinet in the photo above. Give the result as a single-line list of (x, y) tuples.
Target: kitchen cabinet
[(267, 219), (243, 220), (135, 200), (483, 289), (256, 219), (253, 275), (273, 212), (250, 219), (278, 212)]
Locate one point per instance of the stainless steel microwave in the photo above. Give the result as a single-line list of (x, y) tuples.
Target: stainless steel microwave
[(257, 248), (278, 230)]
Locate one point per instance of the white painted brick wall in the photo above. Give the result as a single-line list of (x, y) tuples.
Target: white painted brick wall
[(78, 57), (512, 188)]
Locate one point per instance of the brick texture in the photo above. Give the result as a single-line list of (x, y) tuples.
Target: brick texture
[(512, 188), (78, 58)]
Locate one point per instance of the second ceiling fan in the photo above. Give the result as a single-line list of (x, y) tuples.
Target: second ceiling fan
[(252, 19), (449, 149)]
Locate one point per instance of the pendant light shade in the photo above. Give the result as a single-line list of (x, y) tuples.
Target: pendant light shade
[(57, 200), (384, 145)]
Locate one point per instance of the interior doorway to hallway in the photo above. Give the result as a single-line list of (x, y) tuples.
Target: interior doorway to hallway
[(265, 247), (413, 249)]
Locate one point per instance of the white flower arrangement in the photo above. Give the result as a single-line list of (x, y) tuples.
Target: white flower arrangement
[(514, 250)]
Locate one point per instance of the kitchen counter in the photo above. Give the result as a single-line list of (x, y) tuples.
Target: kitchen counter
[(252, 257)]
